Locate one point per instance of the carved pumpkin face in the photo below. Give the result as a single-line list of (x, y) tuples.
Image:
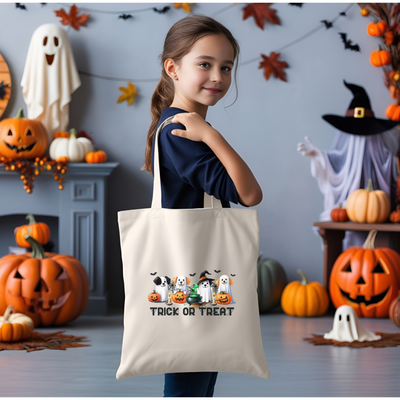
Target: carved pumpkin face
[(366, 279), (22, 137), (179, 297), (154, 297), (223, 298)]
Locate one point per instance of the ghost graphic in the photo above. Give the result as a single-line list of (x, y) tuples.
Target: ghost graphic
[(49, 78), (347, 327)]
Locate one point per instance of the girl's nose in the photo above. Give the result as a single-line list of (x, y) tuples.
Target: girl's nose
[(216, 76)]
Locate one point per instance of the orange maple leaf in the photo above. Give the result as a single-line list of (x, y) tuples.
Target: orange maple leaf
[(272, 65), (260, 11), (185, 6), (72, 18)]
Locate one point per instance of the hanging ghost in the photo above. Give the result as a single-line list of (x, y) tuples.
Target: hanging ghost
[(49, 78), (347, 327)]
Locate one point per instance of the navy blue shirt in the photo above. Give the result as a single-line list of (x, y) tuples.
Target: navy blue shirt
[(188, 169)]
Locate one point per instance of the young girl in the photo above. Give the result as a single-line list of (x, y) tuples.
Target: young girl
[(198, 56)]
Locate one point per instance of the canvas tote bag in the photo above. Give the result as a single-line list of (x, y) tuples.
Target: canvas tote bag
[(175, 264)]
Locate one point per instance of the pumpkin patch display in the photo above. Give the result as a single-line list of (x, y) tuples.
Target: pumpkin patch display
[(394, 311), (154, 297), (304, 299), (223, 298), (366, 278), (368, 205), (179, 297), (38, 230), (15, 327), (339, 214), (22, 137), (52, 289)]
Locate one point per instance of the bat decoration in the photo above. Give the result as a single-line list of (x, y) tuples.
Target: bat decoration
[(161, 10), (217, 271), (296, 4), (153, 273), (233, 274), (125, 16), (193, 274), (21, 6), (348, 44), (327, 24), (343, 14), (3, 88)]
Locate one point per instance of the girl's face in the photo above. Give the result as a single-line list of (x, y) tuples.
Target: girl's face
[(204, 74)]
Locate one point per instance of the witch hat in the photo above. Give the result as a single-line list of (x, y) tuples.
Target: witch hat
[(359, 118), (204, 278)]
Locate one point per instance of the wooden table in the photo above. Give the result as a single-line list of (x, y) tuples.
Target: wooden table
[(333, 233)]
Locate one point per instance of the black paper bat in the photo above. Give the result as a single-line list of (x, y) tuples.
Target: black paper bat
[(193, 274), (153, 273), (296, 4), (21, 6), (347, 43), (125, 16), (343, 14), (327, 24), (217, 271), (161, 10), (3, 88), (233, 274)]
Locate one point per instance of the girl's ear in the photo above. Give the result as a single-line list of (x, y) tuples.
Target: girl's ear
[(170, 68)]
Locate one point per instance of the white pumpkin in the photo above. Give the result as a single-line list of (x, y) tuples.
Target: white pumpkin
[(74, 148)]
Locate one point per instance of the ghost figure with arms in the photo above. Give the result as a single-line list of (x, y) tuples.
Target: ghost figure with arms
[(49, 78), (181, 283), (205, 289)]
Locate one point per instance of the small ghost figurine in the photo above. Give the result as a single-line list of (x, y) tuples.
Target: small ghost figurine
[(49, 78), (348, 328)]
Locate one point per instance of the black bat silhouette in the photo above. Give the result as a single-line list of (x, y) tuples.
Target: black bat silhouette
[(193, 274), (233, 274), (161, 10), (217, 271), (296, 4), (348, 44), (125, 16), (327, 24), (21, 6), (343, 14), (153, 273)]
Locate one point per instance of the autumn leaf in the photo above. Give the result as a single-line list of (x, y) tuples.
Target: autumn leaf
[(72, 18), (128, 94), (185, 6), (260, 11), (272, 65)]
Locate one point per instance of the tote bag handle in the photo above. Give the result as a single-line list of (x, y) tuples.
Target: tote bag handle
[(209, 201)]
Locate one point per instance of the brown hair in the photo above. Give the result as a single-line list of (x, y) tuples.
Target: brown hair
[(178, 42)]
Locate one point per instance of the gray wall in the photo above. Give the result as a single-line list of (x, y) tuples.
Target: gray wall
[(264, 125)]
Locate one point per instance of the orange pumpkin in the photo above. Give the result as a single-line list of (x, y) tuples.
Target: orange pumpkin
[(364, 12), (389, 36), (61, 134), (15, 327), (22, 137), (394, 92), (377, 28), (395, 215), (94, 157), (394, 310), (393, 112), (38, 230), (379, 58), (339, 214), (154, 297), (366, 278), (179, 297), (223, 298), (52, 289)]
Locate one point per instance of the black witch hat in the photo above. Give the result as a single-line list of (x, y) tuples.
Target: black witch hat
[(204, 278), (359, 118)]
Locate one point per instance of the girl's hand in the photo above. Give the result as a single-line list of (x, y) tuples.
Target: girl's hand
[(196, 127)]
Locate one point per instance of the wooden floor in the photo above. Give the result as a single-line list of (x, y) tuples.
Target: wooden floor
[(298, 369)]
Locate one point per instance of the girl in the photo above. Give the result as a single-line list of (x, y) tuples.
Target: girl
[(197, 61)]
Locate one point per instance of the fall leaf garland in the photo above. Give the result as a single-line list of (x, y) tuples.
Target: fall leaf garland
[(128, 93), (259, 11), (271, 65), (72, 18)]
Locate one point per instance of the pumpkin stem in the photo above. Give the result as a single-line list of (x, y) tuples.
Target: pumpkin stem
[(303, 275), (370, 240), (31, 219), (7, 314), (73, 132), (370, 188), (37, 249), (20, 113), (340, 205), (379, 47)]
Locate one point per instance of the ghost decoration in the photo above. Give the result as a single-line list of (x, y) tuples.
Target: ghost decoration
[(347, 327), (49, 78)]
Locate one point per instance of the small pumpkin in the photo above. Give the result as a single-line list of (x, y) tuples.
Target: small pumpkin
[(22, 137), (393, 112), (394, 310), (379, 58), (304, 299), (154, 297), (394, 92), (377, 28), (395, 215), (38, 230), (339, 214), (368, 205), (223, 298), (389, 36), (95, 157), (364, 12), (179, 297), (15, 327)]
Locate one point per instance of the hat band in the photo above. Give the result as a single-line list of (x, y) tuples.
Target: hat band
[(360, 112)]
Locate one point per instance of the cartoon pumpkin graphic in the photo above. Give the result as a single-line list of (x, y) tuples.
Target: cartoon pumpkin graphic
[(223, 298), (154, 297), (366, 278), (179, 297)]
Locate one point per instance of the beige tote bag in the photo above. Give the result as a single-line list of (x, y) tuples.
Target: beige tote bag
[(190, 279)]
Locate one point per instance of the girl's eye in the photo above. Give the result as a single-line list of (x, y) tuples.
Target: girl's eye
[(228, 68), (204, 63)]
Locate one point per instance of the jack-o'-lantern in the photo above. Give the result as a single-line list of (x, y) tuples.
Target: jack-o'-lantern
[(50, 288), (366, 278), (154, 297), (223, 298), (179, 297), (22, 137)]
